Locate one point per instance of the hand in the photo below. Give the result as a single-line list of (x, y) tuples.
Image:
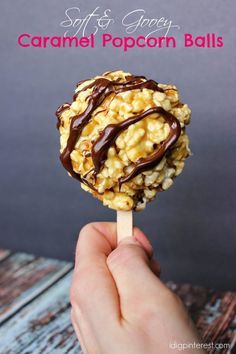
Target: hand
[(119, 305)]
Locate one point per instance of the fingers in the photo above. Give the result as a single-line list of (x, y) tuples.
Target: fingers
[(96, 238), (106, 279), (130, 266), (93, 291)]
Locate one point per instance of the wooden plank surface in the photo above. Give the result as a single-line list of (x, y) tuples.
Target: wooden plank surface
[(34, 293), (43, 326), (23, 277), (213, 312)]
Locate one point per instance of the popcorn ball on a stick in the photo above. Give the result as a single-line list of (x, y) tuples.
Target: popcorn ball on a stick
[(123, 137)]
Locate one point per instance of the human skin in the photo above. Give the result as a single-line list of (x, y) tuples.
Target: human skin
[(119, 305)]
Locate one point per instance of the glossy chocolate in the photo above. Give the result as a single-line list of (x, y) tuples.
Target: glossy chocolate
[(102, 88), (59, 112), (111, 132)]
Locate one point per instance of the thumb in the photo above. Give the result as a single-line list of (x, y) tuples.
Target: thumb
[(130, 267)]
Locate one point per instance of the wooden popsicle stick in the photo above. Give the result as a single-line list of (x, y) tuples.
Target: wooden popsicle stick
[(124, 224)]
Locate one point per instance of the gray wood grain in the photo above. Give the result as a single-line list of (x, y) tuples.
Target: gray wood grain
[(23, 277), (34, 300), (213, 312), (43, 326)]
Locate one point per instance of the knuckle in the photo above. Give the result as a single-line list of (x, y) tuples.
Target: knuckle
[(86, 230), (84, 233)]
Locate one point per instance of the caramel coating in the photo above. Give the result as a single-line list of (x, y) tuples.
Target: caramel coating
[(138, 141)]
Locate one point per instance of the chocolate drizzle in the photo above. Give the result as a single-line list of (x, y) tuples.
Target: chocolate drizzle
[(149, 84), (102, 88), (78, 122), (59, 112), (111, 132)]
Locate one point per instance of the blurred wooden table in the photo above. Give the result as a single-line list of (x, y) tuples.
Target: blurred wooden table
[(35, 309)]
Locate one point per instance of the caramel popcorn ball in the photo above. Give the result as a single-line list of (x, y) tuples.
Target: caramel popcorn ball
[(102, 107)]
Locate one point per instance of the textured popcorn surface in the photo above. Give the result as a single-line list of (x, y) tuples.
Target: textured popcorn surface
[(139, 140)]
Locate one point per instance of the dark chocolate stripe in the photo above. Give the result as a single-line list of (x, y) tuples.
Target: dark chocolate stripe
[(79, 121), (150, 162), (103, 87), (130, 79), (149, 84), (83, 89), (59, 112), (81, 82), (111, 132)]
